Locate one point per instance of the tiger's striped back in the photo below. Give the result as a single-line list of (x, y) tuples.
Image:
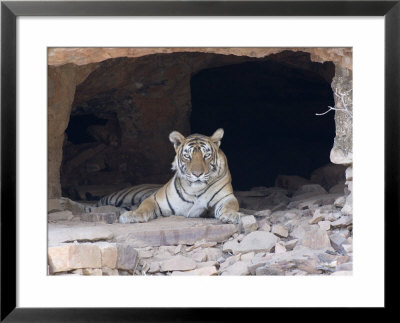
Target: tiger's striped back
[(128, 197)]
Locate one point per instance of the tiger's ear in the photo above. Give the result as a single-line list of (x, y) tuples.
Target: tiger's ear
[(217, 136), (176, 138)]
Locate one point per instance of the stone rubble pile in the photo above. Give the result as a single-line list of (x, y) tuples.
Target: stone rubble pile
[(284, 231)]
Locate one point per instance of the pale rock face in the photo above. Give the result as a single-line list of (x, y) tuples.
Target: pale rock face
[(73, 256), (108, 254)]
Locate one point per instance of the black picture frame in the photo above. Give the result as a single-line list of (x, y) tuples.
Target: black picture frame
[(10, 10)]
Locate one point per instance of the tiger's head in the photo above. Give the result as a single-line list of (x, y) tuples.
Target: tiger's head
[(198, 158)]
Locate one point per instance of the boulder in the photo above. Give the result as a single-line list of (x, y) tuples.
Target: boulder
[(328, 175), (290, 182)]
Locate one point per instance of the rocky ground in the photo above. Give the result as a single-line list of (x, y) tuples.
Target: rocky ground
[(306, 231)]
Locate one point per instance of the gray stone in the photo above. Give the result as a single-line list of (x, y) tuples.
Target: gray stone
[(260, 201), (316, 189), (247, 256), (280, 230), (279, 248), (228, 262), (110, 217), (289, 245), (177, 263), (324, 225), (58, 234), (337, 240), (310, 202), (256, 241), (348, 206), (265, 227), (338, 188), (342, 222), (317, 217), (342, 151), (60, 216), (128, 257), (175, 230), (249, 224), (269, 271), (328, 175), (340, 201), (198, 255), (154, 267), (237, 269), (54, 204), (265, 213), (213, 253), (312, 236)]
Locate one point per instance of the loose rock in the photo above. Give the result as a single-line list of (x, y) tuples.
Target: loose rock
[(249, 224), (256, 241), (342, 222), (127, 257), (178, 263), (280, 230), (237, 269), (60, 216), (279, 248), (324, 225)]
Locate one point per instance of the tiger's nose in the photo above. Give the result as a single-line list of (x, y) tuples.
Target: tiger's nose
[(197, 173)]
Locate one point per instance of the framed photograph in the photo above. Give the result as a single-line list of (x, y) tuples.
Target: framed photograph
[(100, 99)]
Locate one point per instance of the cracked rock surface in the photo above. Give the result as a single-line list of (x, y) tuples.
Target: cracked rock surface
[(301, 232)]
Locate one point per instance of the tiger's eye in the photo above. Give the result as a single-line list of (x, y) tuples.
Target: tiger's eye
[(186, 156), (207, 155)]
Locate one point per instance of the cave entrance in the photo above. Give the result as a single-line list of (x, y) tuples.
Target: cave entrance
[(123, 112), (268, 111)]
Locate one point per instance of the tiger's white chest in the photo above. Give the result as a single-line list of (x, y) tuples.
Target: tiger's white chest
[(191, 210)]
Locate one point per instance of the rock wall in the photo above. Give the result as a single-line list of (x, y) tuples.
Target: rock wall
[(84, 81)]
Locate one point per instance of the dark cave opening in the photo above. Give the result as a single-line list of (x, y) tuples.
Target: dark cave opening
[(268, 111), (78, 130)]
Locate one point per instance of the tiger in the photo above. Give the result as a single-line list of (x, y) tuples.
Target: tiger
[(201, 185)]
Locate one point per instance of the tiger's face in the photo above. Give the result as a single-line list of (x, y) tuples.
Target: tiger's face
[(198, 158)]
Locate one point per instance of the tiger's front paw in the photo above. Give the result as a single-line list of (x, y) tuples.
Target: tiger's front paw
[(231, 217), (133, 217)]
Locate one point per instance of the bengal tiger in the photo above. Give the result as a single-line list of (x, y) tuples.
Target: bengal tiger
[(201, 184)]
